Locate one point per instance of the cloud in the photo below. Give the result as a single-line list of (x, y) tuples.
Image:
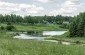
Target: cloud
[(68, 8), (44, 1), (19, 9)]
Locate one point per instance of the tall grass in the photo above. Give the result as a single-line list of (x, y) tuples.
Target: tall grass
[(30, 47), (10, 46)]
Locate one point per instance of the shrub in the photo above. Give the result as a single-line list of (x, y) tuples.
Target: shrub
[(66, 26), (2, 28), (10, 27)]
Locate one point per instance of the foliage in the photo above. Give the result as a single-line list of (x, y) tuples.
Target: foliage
[(65, 38), (77, 27), (21, 47), (10, 27), (34, 19), (64, 25), (2, 28)]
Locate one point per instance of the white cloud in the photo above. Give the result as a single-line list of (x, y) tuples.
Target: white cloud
[(44, 1), (19, 9), (68, 8)]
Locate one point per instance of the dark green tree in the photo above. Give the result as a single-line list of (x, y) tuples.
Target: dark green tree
[(77, 27)]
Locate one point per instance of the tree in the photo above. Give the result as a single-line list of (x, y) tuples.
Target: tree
[(81, 26), (77, 27)]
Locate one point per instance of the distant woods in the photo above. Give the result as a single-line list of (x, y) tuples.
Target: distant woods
[(34, 19), (77, 26)]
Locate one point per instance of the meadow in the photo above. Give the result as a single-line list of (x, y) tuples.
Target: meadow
[(10, 46), (31, 47), (36, 27)]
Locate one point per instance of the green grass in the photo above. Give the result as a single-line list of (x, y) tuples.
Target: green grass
[(36, 27), (30, 47), (5, 34), (65, 37), (10, 46)]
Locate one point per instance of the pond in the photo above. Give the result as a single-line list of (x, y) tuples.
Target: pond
[(44, 33), (25, 36), (53, 33), (38, 37)]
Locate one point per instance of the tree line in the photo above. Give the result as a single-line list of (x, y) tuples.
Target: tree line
[(34, 19)]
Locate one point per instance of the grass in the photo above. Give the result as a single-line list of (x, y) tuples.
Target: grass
[(30, 47), (65, 37), (36, 27), (10, 46), (5, 34)]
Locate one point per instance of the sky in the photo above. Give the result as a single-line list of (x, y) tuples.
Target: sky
[(42, 7)]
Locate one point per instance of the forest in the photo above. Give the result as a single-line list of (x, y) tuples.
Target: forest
[(34, 19)]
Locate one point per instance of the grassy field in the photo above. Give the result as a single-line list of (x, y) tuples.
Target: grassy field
[(65, 37), (10, 46), (5, 34), (30, 47), (36, 27)]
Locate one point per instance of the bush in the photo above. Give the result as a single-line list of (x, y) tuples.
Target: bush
[(78, 42), (2, 28), (10, 27), (66, 26)]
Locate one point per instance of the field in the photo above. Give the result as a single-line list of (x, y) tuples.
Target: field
[(30, 47), (36, 27), (10, 46)]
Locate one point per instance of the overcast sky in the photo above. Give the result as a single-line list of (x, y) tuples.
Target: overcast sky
[(42, 7)]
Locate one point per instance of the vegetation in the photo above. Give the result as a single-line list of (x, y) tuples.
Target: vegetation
[(10, 27), (65, 37), (2, 28), (30, 47), (35, 27), (77, 27), (10, 46), (34, 19)]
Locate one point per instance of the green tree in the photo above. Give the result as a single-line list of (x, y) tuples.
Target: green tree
[(77, 27)]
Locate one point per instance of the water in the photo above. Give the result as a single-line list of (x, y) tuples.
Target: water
[(50, 33), (24, 36), (53, 33)]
